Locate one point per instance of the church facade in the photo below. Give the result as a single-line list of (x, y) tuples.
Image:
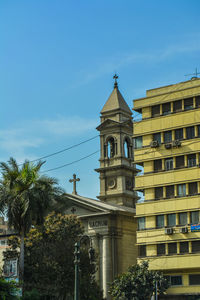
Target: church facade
[(110, 221)]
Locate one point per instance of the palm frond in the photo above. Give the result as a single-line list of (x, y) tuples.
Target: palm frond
[(13, 163), (25, 195)]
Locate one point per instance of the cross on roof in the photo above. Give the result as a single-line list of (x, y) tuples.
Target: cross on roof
[(73, 210), (115, 77), (74, 180), (196, 73)]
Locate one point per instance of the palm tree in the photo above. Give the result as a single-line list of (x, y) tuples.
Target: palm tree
[(25, 198)]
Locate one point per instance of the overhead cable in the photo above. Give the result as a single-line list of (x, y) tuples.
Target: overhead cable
[(63, 150), (71, 163)]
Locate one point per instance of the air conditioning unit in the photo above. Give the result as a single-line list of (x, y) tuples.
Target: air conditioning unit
[(168, 146), (168, 230), (176, 143), (183, 230), (154, 144)]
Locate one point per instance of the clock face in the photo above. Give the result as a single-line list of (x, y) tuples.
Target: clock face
[(111, 183)]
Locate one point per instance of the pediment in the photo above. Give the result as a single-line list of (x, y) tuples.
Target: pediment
[(111, 123), (107, 124), (82, 206)]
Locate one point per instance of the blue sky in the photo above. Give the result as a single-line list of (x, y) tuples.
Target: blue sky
[(57, 59)]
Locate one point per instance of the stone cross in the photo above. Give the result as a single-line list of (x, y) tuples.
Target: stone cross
[(73, 210), (74, 180), (115, 77)]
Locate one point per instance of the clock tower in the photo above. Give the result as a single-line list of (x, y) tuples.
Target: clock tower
[(117, 171)]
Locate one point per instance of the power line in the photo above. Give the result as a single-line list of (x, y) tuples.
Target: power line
[(71, 163), (63, 150)]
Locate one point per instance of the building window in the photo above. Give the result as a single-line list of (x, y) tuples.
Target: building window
[(169, 191), (157, 165), (182, 218), (171, 220), (177, 105), (193, 188), (197, 100), (172, 248), (142, 250), (176, 280), (188, 103), (138, 142), (166, 108), (198, 130), (180, 161), (161, 249), (190, 132), (167, 136), (160, 221), (179, 134), (195, 246), (155, 110), (158, 192), (184, 247), (194, 279), (181, 190), (191, 160), (127, 148), (10, 268), (141, 223), (169, 163), (110, 148), (194, 217), (157, 137)]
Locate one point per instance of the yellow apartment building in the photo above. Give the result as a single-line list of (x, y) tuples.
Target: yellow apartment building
[(167, 146)]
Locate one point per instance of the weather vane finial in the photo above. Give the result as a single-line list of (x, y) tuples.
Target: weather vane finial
[(115, 77)]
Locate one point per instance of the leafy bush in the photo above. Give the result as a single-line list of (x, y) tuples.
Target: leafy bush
[(31, 295)]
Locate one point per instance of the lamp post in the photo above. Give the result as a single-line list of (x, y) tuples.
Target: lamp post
[(156, 290), (76, 264), (91, 253)]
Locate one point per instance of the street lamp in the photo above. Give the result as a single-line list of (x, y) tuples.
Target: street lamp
[(91, 253)]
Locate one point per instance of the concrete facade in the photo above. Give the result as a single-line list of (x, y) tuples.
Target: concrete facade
[(112, 230), (167, 146)]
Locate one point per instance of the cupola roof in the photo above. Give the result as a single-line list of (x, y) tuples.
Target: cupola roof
[(116, 102)]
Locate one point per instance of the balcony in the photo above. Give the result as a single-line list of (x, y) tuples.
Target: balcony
[(167, 206), (167, 178), (147, 153), (174, 262), (154, 236), (168, 122)]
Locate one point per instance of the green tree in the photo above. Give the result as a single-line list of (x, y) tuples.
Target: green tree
[(49, 260), (31, 295), (138, 283), (25, 197), (8, 290)]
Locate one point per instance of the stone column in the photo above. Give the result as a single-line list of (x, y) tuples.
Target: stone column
[(106, 265), (113, 251), (96, 246)]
